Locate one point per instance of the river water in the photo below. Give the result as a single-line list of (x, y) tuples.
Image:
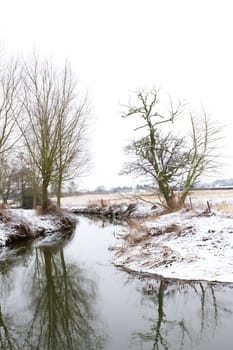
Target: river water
[(67, 295)]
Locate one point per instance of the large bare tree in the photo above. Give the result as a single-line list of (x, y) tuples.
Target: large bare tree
[(53, 123), (9, 107), (174, 163), (72, 157), (9, 112)]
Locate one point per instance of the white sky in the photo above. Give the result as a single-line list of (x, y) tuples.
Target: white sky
[(114, 46)]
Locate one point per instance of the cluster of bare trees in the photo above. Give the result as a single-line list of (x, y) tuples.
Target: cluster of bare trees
[(43, 119), (174, 163)]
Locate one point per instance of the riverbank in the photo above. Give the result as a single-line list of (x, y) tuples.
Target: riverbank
[(186, 245), (20, 224), (191, 244)]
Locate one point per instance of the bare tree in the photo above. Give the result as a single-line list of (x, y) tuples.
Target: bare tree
[(9, 112), (202, 153), (17, 178), (52, 123), (173, 162), (28, 181), (9, 107), (71, 160), (7, 176)]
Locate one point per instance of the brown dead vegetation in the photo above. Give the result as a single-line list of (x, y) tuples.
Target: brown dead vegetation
[(3, 206), (18, 229), (98, 203), (224, 207), (51, 209), (139, 234), (4, 216), (133, 240)]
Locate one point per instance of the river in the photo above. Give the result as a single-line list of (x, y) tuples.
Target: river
[(67, 295)]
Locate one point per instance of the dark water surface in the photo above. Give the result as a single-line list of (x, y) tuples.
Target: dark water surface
[(68, 295)]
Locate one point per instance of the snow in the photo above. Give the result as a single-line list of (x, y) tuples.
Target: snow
[(3, 234), (187, 245), (45, 225), (36, 221)]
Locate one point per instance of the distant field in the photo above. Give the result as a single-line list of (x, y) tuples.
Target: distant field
[(213, 194), (85, 199), (199, 198)]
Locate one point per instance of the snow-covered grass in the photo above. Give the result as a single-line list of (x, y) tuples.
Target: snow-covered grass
[(191, 244), (19, 224), (184, 245)]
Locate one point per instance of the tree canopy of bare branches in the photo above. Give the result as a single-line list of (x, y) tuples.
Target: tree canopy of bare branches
[(53, 124), (173, 162), (9, 107)]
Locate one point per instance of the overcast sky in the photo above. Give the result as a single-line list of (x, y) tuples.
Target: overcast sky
[(114, 46)]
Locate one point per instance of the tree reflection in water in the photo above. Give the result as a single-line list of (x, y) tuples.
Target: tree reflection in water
[(59, 302), (8, 341), (48, 303), (186, 314)]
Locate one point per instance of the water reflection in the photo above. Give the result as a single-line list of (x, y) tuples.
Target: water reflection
[(56, 305), (62, 297), (103, 222), (186, 315)]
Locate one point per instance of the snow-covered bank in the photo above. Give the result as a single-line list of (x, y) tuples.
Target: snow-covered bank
[(189, 245), (182, 245), (20, 224)]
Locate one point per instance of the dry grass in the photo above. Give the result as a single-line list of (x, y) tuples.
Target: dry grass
[(3, 206), (111, 198), (142, 234), (100, 203), (137, 225), (224, 207), (196, 199), (5, 216), (138, 232), (52, 209)]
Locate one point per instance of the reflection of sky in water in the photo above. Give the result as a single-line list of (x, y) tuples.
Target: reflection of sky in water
[(80, 296)]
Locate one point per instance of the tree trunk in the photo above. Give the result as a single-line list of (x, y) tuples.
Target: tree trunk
[(45, 199), (4, 199), (34, 185), (59, 187)]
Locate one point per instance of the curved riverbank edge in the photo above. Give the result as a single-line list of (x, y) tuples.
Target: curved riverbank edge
[(23, 224), (189, 244), (184, 245), (150, 275)]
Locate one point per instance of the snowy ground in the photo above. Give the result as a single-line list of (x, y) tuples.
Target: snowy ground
[(183, 245), (13, 222)]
